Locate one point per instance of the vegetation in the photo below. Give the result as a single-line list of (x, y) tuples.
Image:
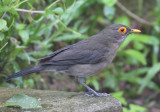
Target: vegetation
[(30, 29)]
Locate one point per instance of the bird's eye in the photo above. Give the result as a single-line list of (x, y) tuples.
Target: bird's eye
[(122, 30)]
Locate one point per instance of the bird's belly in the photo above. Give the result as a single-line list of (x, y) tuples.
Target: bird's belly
[(87, 69)]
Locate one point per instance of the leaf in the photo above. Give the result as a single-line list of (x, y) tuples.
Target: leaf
[(137, 108), (136, 54), (125, 109), (111, 81), (39, 53), (15, 52), (23, 101), (1, 36), (58, 10), (108, 2), (127, 41), (29, 83), (70, 37), (95, 84), (68, 16), (83, 29), (122, 20), (15, 66), (20, 26), (151, 73), (24, 35), (109, 12), (119, 96), (134, 74), (3, 24), (139, 46), (5, 84), (147, 39), (152, 85)]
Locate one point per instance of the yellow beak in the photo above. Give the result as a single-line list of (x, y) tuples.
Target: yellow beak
[(135, 31)]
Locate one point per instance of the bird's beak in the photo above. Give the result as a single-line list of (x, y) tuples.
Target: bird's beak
[(135, 31)]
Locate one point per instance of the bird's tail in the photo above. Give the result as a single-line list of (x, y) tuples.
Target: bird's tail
[(25, 72)]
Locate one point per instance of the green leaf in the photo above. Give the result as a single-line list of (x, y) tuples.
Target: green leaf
[(119, 96), (15, 66), (147, 39), (109, 12), (58, 10), (5, 84), (70, 37), (136, 108), (139, 46), (23, 101), (108, 2), (127, 41), (24, 35), (1, 36), (29, 83), (15, 52), (83, 29), (122, 20), (151, 73), (3, 24), (134, 74), (39, 53), (20, 26), (125, 109), (95, 84), (137, 55), (111, 81), (69, 14)]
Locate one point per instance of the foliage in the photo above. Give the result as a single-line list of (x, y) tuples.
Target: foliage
[(23, 101), (132, 107), (25, 37)]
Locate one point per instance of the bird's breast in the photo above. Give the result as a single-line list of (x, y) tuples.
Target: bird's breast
[(112, 52), (81, 70)]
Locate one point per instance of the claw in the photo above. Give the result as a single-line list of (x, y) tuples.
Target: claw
[(103, 94)]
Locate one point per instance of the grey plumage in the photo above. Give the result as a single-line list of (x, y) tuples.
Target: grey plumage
[(25, 72), (85, 58)]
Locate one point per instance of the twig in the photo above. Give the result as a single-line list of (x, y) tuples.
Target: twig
[(3, 46), (141, 20), (30, 11), (6, 10)]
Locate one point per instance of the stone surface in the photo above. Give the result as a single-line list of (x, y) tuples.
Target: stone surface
[(56, 101)]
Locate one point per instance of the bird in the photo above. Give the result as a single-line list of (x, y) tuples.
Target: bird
[(85, 58)]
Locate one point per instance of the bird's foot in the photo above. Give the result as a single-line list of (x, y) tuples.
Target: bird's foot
[(95, 94), (88, 93), (103, 94)]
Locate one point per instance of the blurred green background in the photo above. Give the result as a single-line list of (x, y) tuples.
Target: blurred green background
[(30, 29)]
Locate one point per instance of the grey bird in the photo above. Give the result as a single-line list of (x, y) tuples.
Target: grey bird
[(84, 58)]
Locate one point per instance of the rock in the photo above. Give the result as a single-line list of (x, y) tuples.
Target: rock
[(60, 101)]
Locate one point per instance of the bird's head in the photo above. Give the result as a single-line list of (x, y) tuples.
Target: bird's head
[(119, 31)]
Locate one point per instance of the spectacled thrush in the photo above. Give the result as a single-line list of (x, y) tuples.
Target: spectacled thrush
[(84, 58)]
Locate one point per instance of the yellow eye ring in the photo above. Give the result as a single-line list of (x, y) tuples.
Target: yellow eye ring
[(122, 30)]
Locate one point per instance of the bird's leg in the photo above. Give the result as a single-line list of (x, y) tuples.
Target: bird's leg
[(90, 92)]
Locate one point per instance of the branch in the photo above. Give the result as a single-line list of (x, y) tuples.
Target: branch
[(30, 11), (134, 16)]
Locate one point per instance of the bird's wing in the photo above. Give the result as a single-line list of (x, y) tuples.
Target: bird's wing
[(43, 59), (72, 57)]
